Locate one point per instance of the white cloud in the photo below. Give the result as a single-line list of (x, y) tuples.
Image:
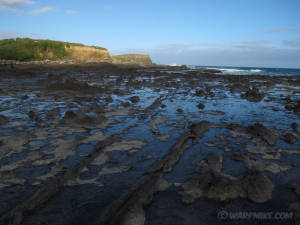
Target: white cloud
[(292, 43), (70, 11), (41, 10), (4, 34), (10, 5), (280, 30)]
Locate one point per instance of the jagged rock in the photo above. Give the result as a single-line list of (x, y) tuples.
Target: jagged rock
[(267, 135), (134, 99), (3, 120), (259, 188), (291, 137), (253, 95)]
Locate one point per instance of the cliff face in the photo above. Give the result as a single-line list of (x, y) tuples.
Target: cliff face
[(132, 59), (26, 49), (86, 53)]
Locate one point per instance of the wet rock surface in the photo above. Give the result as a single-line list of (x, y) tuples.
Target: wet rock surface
[(168, 160)]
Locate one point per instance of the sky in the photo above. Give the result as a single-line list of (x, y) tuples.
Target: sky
[(262, 33)]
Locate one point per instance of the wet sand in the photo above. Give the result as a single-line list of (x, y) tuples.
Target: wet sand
[(103, 144)]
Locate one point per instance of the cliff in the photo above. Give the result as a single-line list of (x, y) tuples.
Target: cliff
[(26, 49), (86, 53), (132, 59)]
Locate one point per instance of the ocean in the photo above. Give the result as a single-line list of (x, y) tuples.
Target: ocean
[(251, 70)]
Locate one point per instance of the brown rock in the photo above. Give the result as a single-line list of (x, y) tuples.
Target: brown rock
[(109, 99), (253, 95), (134, 99), (201, 106)]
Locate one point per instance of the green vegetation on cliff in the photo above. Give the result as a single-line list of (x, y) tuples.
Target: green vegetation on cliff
[(26, 49)]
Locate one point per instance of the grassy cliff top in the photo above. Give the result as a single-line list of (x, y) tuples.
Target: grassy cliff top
[(26, 49)]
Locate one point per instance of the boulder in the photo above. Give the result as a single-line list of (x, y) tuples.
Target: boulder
[(70, 116), (253, 95), (258, 187), (201, 106), (267, 135), (134, 99), (291, 137)]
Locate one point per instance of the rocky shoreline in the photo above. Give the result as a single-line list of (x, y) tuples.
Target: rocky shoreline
[(101, 143)]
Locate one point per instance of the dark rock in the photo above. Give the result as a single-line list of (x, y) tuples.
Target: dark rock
[(198, 129), (253, 95), (225, 189), (31, 115), (212, 71), (294, 126), (297, 108), (295, 187), (201, 106), (24, 97), (71, 84), (126, 104), (267, 135), (238, 87), (109, 99), (134, 99), (70, 116), (200, 93), (259, 188), (295, 208), (291, 137), (53, 114), (179, 110), (96, 108), (289, 107), (215, 161), (3, 120)]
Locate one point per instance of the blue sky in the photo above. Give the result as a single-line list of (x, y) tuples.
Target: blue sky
[(203, 32)]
